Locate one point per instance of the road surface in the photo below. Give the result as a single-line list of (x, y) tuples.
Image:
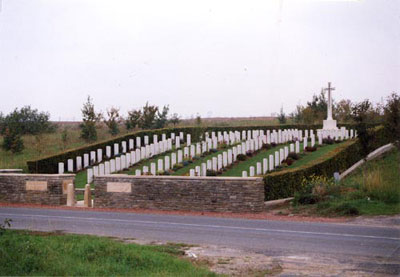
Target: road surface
[(377, 247)]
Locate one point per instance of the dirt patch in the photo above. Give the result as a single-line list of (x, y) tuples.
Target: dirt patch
[(235, 262)]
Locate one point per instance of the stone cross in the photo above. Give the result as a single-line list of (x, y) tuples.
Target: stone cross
[(329, 89)]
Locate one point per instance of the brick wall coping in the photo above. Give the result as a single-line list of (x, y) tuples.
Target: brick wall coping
[(35, 175), (181, 177)]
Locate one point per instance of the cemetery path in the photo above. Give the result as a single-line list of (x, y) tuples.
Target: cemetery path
[(372, 247)]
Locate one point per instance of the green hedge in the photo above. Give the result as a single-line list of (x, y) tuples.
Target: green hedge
[(285, 183), (49, 164)]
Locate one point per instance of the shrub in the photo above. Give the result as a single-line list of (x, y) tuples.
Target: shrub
[(293, 155), (185, 163), (177, 167), (213, 150), (346, 209), (211, 173), (305, 199), (241, 157), (289, 161), (196, 158), (12, 142), (249, 153), (266, 146), (311, 148), (328, 140), (273, 144)]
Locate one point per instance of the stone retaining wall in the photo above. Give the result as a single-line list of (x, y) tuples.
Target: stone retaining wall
[(216, 194), (45, 189)]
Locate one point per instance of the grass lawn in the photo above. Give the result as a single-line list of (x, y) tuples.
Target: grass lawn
[(237, 168), (373, 189), (306, 157), (45, 145), (51, 254)]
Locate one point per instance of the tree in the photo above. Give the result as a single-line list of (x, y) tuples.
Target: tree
[(90, 119), (133, 119), (162, 118), (12, 141), (360, 117), (26, 121), (392, 119), (148, 117), (64, 138), (282, 117), (343, 111), (113, 121), (175, 119), (198, 120)]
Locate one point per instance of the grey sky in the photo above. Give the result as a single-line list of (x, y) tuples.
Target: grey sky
[(231, 58)]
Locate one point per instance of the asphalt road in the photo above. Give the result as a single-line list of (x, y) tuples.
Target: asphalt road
[(273, 238)]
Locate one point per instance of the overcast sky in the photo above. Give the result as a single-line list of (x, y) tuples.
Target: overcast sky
[(215, 58)]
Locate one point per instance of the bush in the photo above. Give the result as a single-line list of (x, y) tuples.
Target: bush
[(266, 146), (177, 167), (249, 153), (273, 144), (294, 156), (305, 199), (213, 150), (12, 142), (328, 140), (346, 209), (185, 163), (311, 148), (289, 161), (211, 173), (241, 157)]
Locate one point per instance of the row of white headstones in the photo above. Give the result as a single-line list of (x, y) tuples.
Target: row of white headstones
[(251, 140), (282, 154), (252, 143)]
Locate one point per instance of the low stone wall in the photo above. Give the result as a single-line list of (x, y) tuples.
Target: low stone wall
[(215, 194), (45, 189)]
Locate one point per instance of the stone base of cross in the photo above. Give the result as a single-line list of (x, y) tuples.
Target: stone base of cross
[(329, 124)]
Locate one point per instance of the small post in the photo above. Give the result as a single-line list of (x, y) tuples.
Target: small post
[(70, 195), (87, 200)]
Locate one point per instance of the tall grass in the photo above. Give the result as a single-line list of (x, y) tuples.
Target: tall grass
[(49, 254)]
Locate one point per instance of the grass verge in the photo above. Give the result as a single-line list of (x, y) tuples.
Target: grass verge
[(373, 189), (52, 254)]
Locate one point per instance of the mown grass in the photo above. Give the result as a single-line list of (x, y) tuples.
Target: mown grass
[(373, 189), (48, 144), (305, 157), (49, 254)]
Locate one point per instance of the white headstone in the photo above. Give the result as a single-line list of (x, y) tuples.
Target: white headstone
[(85, 160), (99, 155), (251, 171), (60, 168), (265, 165), (70, 165), (116, 149), (101, 169), (108, 151), (78, 163), (271, 162), (89, 175), (107, 170)]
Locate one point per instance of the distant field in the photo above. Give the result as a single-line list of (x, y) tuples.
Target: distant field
[(51, 144)]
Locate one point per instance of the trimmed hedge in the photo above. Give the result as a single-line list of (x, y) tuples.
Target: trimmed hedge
[(283, 184), (49, 164)]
